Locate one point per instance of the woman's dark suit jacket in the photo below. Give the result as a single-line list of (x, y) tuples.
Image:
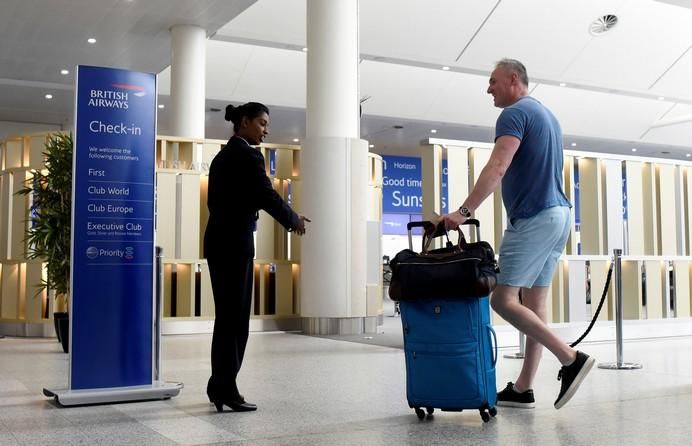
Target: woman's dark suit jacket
[(238, 189)]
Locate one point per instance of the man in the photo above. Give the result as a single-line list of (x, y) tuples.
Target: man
[(527, 160)]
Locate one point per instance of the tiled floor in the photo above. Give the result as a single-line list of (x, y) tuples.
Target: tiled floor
[(317, 391)]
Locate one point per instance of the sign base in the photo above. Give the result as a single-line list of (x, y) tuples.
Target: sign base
[(156, 391)]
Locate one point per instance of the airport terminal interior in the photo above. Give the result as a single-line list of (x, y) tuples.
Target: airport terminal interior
[(380, 116)]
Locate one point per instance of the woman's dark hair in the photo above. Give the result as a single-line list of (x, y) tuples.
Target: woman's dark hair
[(251, 110)]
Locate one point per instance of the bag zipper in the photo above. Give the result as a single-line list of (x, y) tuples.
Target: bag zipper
[(441, 263)]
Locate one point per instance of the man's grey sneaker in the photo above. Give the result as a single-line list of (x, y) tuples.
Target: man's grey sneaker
[(511, 398), (571, 376)]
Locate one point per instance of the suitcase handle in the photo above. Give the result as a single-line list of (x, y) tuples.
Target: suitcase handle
[(431, 232), (494, 335), (417, 224), (439, 230)]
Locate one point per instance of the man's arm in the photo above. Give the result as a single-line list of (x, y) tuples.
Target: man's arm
[(488, 181), (491, 175)]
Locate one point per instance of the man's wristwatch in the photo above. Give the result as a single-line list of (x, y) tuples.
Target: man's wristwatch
[(465, 212)]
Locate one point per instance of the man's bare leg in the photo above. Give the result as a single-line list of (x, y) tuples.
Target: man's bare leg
[(535, 300), (505, 301)]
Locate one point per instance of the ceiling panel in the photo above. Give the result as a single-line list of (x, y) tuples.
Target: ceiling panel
[(270, 20), (675, 134), (464, 100), (676, 82), (273, 76), (400, 90), (393, 28), (240, 73), (602, 115), (226, 65), (544, 34), (28, 104), (648, 38), (40, 37)]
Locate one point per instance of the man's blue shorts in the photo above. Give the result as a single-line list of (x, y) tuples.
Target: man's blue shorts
[(532, 246)]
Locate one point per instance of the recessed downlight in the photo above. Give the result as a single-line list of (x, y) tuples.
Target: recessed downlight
[(48, 96), (64, 72), (371, 146), (574, 144), (445, 68), (687, 155), (162, 106), (296, 140), (634, 149), (305, 50), (433, 131), (661, 98), (562, 84), (91, 40)]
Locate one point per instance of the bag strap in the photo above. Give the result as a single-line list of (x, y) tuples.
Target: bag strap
[(432, 232)]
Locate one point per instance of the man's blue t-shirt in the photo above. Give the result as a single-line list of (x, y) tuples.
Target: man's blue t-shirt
[(533, 181)]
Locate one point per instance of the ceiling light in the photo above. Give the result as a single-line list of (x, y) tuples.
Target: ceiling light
[(371, 145), (603, 24), (634, 150), (661, 98), (296, 140), (305, 50), (445, 68), (162, 106), (574, 144), (64, 72), (91, 40), (688, 155), (433, 131), (49, 96), (562, 84)]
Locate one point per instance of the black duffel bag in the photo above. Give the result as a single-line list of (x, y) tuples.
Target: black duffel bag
[(462, 271)]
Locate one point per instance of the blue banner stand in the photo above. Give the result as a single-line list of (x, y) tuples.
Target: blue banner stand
[(115, 292)]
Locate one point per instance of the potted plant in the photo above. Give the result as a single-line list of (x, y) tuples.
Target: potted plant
[(48, 232)]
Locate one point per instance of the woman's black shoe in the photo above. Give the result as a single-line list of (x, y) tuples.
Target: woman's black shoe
[(235, 405)]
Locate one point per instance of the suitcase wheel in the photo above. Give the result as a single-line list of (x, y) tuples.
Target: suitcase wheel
[(492, 411), (430, 410), (420, 413), (484, 415)]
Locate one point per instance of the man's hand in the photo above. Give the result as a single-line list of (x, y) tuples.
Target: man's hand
[(450, 221), (300, 229)]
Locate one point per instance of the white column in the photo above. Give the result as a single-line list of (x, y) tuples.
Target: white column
[(188, 59), (335, 176)]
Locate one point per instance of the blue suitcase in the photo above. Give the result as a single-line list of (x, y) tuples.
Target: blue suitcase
[(451, 352)]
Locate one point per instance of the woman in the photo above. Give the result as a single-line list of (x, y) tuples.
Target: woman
[(238, 189)]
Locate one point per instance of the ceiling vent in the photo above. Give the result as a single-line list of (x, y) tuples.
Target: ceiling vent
[(603, 24)]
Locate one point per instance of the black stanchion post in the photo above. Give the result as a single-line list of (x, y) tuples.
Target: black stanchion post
[(619, 364)]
